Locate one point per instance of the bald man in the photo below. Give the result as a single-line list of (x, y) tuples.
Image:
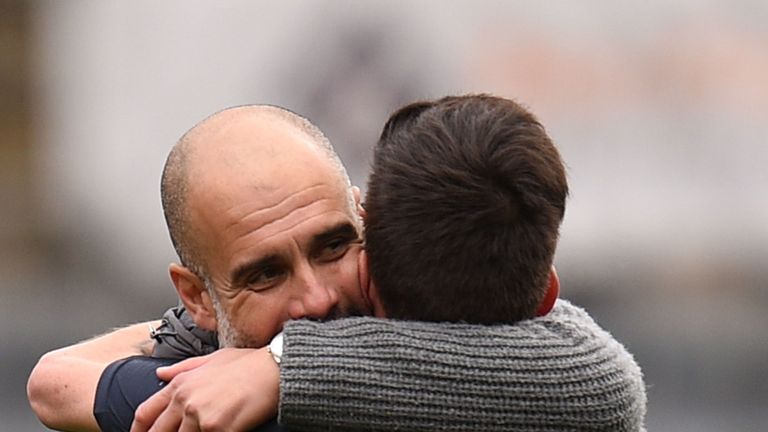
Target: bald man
[(263, 218), (250, 237), (265, 223)]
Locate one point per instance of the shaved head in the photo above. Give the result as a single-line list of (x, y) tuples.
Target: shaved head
[(187, 162), (265, 223)]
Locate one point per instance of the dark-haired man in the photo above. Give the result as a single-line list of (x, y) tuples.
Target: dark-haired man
[(465, 200), (473, 184)]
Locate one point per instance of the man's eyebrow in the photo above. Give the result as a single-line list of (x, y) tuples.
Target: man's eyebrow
[(343, 230), (241, 274)]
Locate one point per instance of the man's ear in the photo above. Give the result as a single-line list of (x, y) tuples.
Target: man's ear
[(358, 204), (194, 295), (553, 290), (368, 287)]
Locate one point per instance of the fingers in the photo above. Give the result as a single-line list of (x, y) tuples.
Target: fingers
[(149, 411), (217, 396), (171, 419), (189, 424), (167, 373)]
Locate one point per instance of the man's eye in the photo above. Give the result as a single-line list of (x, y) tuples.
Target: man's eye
[(335, 249), (264, 278)]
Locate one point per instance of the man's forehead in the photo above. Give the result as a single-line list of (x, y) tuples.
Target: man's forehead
[(252, 144), (301, 244), (267, 206), (304, 238), (258, 163), (249, 170), (252, 216)]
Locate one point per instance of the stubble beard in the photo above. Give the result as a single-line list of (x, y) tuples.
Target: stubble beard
[(230, 337)]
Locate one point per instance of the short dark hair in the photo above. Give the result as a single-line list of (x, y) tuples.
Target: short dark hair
[(464, 205)]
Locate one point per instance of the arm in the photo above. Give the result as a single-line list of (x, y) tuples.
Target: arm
[(557, 372), (231, 389), (62, 386), (561, 371), (123, 385), (126, 383)]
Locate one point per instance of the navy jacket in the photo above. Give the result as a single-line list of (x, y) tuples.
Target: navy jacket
[(126, 383)]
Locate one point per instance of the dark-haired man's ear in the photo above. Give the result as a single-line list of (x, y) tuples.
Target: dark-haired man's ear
[(358, 204), (369, 290), (553, 290), (194, 295)]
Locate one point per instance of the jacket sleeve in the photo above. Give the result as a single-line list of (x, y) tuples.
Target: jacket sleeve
[(123, 386), (559, 372), (126, 383)]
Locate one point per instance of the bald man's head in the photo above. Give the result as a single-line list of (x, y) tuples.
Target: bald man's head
[(263, 217), (188, 158)]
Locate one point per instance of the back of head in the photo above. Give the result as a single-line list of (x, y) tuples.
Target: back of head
[(464, 206)]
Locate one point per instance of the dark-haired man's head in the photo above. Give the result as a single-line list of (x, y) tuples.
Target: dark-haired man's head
[(464, 205)]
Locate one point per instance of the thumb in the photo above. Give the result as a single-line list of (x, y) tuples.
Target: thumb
[(167, 373)]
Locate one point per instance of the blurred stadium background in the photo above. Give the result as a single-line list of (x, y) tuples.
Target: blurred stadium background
[(660, 110)]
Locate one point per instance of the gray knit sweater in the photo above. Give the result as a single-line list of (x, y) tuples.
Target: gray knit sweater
[(561, 372)]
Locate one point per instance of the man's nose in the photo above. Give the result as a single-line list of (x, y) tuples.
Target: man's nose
[(315, 299)]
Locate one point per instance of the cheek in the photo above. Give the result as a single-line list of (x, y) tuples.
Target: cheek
[(256, 317), (348, 283)]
